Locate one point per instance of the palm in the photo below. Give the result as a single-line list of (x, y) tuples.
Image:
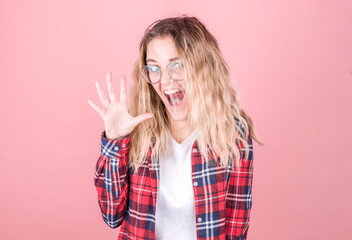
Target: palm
[(117, 114), (118, 122)]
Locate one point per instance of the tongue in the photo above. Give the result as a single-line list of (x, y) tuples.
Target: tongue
[(175, 98)]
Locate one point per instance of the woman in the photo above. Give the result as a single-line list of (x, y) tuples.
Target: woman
[(176, 163)]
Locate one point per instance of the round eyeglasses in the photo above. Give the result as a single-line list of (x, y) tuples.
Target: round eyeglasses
[(152, 73)]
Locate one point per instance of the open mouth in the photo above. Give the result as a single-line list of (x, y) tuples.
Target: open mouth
[(174, 96)]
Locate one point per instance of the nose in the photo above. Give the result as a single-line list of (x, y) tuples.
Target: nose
[(165, 78)]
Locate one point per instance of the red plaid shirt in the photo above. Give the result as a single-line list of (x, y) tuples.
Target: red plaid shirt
[(223, 196)]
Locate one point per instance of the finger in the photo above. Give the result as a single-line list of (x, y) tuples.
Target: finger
[(141, 118), (123, 89), (98, 109), (110, 88), (101, 94)]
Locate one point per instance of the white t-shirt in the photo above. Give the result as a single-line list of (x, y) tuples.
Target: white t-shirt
[(175, 207)]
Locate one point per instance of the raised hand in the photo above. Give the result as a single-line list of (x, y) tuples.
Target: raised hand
[(118, 122)]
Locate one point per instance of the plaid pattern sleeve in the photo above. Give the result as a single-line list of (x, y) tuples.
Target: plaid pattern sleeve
[(239, 196), (111, 179)]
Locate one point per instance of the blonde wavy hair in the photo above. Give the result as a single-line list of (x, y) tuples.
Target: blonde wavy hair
[(222, 127)]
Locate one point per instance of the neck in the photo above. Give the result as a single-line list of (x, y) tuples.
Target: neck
[(180, 130)]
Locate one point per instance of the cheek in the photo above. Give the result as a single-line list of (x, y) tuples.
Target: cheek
[(157, 88)]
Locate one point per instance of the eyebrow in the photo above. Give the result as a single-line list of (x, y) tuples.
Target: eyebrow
[(170, 60)]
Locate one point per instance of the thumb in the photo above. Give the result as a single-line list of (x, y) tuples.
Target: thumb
[(141, 118)]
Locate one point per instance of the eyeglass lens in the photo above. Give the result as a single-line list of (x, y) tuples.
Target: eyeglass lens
[(152, 73)]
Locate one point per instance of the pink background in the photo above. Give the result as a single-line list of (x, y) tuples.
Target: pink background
[(291, 61)]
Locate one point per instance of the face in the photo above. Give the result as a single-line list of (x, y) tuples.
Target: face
[(160, 52)]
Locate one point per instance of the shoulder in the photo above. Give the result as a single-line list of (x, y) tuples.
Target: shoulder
[(242, 130)]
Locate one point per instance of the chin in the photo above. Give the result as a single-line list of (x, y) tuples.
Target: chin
[(177, 114)]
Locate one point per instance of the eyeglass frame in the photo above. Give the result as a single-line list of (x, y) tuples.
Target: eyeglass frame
[(161, 71)]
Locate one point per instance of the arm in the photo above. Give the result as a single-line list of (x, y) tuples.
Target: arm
[(111, 179), (239, 197), (111, 176)]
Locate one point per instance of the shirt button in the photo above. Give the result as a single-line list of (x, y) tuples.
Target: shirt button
[(194, 150), (200, 219), (195, 184), (116, 148)]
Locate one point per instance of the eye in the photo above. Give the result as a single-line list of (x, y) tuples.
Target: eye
[(177, 65), (153, 68)]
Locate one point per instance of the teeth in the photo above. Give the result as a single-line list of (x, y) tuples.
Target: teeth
[(172, 91)]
